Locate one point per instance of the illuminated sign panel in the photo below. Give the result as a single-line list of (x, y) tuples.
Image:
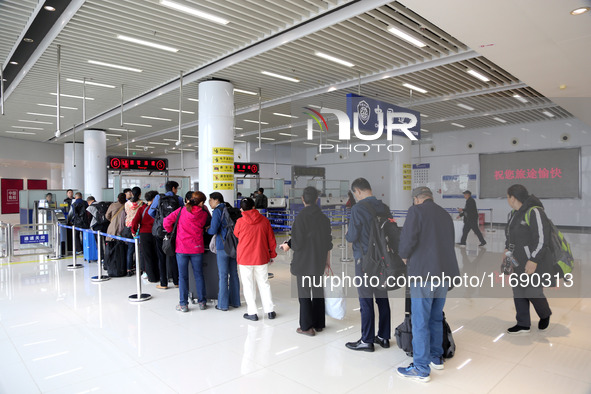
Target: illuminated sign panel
[(246, 168), (136, 164)]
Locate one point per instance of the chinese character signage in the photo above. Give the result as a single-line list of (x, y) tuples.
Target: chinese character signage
[(34, 239), (10, 198), (553, 173)]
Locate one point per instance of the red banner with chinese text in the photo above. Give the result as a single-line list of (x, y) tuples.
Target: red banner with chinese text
[(10, 199)]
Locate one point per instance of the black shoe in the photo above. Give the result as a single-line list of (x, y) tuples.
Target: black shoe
[(482, 243), (518, 329), (319, 329), (385, 343), (220, 309), (544, 323), (272, 315), (251, 317), (360, 345)]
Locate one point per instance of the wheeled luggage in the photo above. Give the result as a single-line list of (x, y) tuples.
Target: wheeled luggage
[(116, 258), (89, 246), (210, 274)]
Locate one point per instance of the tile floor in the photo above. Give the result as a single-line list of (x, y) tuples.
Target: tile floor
[(60, 333)]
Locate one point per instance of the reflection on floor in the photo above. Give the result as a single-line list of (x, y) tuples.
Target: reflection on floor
[(60, 333)]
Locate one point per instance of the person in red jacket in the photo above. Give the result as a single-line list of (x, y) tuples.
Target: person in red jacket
[(142, 225), (189, 247), (256, 248)]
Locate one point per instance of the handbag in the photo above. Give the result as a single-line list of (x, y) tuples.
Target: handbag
[(212, 246), (169, 241), (335, 303)]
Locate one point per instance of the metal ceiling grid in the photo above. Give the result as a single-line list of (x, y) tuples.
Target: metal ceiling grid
[(14, 15)]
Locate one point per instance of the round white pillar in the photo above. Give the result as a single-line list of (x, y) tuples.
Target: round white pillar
[(95, 162), (400, 174), (56, 177), (73, 166), (216, 138)]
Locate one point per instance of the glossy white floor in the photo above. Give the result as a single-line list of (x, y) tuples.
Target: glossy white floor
[(60, 333)]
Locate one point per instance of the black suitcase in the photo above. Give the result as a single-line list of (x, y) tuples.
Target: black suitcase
[(210, 274), (116, 258)]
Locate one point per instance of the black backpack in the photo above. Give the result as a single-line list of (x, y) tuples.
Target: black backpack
[(100, 216), (81, 217), (166, 206), (230, 241), (382, 259)]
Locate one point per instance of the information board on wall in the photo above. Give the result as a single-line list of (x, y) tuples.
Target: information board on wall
[(552, 173), (452, 186)]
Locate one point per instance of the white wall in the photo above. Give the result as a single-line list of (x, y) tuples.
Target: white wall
[(453, 157)]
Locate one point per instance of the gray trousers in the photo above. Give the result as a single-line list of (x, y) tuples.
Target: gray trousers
[(523, 296)]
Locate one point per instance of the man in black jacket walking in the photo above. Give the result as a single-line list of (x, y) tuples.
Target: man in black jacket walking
[(311, 242), (470, 214)]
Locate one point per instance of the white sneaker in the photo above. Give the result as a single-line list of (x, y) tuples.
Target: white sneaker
[(438, 367), (144, 276)]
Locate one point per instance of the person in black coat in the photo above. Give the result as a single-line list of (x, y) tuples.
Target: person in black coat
[(311, 242), (470, 215), (528, 236)]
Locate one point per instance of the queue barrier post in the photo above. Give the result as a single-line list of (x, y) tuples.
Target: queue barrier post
[(100, 277), (139, 296), (491, 229), (345, 254), (74, 265)]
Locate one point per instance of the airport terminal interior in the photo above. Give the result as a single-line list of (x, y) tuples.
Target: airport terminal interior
[(233, 96)]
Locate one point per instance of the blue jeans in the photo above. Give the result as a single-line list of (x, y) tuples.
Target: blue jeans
[(427, 324), (196, 260), (130, 252), (229, 289)]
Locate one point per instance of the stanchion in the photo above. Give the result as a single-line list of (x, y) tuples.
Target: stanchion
[(139, 296), (74, 266), (491, 230), (100, 277), (56, 240), (345, 254)]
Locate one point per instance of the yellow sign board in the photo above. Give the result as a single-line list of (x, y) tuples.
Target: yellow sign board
[(223, 177), (405, 187), (406, 166), (223, 168), (406, 176), (223, 151), (223, 186), (223, 159)]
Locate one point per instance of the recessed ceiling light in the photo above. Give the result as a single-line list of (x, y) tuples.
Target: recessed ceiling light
[(309, 143), (169, 139), (478, 75), (90, 83), (246, 92), (267, 138), (155, 118), (580, 10), (137, 70), (548, 114), (49, 8), (425, 130), (331, 89), (176, 110), (334, 59), (288, 135), (38, 114), (115, 129), (285, 115), (424, 115), (239, 141), (19, 132), (518, 97), (458, 125), (29, 128), (413, 87), (147, 43), (500, 120), (137, 124), (280, 76), (254, 121), (159, 143), (27, 39), (329, 140), (238, 128), (188, 150), (192, 99), (465, 107), (113, 135), (406, 37), (72, 96), (13, 63), (55, 106), (194, 12), (190, 136), (34, 121)]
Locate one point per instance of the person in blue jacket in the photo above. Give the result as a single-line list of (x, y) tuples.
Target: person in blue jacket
[(427, 248), (229, 287)]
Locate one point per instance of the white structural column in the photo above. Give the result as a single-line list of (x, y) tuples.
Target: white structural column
[(216, 138), (73, 166), (95, 162), (400, 174), (56, 177)]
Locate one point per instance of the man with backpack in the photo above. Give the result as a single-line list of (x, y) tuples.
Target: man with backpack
[(427, 247), (260, 200), (79, 218), (162, 206), (358, 233)]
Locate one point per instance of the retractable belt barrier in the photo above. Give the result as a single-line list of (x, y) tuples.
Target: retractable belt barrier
[(138, 296)]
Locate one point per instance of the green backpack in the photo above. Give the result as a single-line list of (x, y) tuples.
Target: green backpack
[(562, 256)]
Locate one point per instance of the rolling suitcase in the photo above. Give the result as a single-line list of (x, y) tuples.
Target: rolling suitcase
[(210, 274), (116, 258), (89, 247)]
